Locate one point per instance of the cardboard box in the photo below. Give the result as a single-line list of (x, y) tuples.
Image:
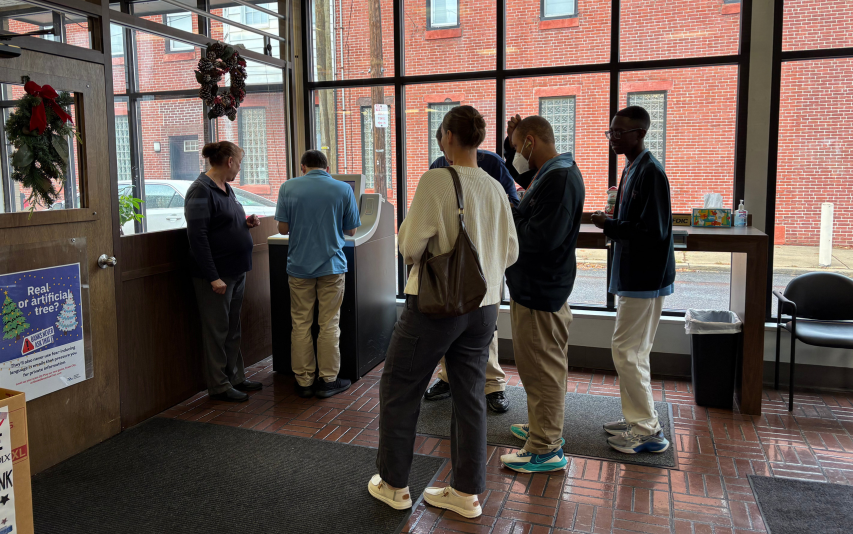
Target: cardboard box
[(20, 458), (721, 218)]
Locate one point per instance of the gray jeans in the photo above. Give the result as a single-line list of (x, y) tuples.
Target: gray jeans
[(220, 332), (417, 345)]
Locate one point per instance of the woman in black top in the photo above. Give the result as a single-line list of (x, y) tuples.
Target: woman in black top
[(220, 256)]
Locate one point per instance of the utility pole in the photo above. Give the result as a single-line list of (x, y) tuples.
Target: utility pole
[(326, 120), (377, 96)]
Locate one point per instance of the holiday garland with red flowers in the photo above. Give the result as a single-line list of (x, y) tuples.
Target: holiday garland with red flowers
[(39, 129), (221, 59)]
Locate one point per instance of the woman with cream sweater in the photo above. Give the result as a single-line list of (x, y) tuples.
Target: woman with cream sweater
[(419, 341)]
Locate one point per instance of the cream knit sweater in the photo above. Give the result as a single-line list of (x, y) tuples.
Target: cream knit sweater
[(433, 222)]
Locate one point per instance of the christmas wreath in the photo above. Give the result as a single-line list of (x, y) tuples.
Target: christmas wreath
[(222, 59), (39, 129)]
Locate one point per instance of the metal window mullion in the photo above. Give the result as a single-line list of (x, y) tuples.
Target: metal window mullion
[(134, 137), (612, 161)]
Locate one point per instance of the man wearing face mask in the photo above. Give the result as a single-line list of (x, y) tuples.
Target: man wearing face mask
[(547, 222)]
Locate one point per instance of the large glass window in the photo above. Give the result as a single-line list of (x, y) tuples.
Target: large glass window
[(450, 51)]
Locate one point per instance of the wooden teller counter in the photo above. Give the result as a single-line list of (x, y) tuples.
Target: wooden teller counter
[(748, 247)]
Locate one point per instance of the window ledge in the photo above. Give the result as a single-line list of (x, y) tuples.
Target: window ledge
[(551, 24), (258, 189), (449, 33), (730, 9), (179, 56)]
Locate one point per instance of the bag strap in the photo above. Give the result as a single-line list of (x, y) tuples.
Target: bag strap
[(460, 199)]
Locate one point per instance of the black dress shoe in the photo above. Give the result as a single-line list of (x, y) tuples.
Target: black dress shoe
[(231, 395), (324, 389), (249, 385), (497, 402), (439, 390), (304, 391)]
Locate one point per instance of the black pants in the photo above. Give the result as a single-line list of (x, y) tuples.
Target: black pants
[(417, 345)]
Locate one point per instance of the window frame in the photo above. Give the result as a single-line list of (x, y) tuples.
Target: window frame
[(543, 16), (500, 73), (665, 115), (169, 44), (431, 26), (574, 100)]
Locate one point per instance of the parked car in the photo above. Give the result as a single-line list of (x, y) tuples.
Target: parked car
[(164, 204)]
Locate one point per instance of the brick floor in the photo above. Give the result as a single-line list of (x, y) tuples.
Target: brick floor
[(709, 494)]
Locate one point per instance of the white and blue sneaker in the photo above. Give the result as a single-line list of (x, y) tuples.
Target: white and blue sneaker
[(520, 431), (527, 462), (617, 428), (631, 443)]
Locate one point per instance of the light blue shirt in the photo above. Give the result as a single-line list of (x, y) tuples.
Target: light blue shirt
[(614, 274), (318, 209)]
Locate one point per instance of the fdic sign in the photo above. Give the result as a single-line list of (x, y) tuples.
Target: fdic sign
[(37, 340)]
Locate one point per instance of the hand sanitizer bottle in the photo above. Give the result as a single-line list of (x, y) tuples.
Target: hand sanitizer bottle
[(740, 215)]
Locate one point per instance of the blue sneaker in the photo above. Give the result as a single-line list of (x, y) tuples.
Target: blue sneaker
[(631, 443), (527, 462)]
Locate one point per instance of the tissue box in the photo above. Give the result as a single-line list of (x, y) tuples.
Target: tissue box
[(712, 217)]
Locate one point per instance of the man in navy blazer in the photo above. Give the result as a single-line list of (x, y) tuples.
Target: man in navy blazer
[(643, 274)]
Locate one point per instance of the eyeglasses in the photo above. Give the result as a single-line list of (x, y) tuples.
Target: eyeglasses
[(617, 134)]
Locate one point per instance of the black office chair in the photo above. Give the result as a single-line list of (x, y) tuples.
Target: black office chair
[(823, 300)]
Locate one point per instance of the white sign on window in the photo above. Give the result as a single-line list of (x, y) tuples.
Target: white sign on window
[(380, 115)]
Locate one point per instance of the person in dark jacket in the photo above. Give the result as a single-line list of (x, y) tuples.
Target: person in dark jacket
[(496, 398), (643, 275), (547, 222), (220, 256)]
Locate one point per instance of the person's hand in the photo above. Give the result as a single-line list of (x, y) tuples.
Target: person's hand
[(218, 286), (598, 219), (511, 124), (252, 221)]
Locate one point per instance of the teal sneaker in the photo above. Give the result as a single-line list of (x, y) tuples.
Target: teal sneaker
[(520, 431), (631, 443), (527, 462)]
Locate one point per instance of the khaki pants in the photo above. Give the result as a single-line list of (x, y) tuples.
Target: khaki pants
[(540, 341), (495, 376), (328, 292), (636, 325)]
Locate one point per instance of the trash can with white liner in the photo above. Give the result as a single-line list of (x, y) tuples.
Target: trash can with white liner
[(716, 344)]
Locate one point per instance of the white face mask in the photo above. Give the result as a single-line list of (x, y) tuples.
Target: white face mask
[(521, 164)]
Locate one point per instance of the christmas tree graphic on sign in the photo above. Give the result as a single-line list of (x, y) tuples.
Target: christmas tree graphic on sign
[(67, 320), (14, 323)]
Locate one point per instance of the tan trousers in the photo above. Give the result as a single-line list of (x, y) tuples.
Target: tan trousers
[(540, 341), (636, 325), (328, 292), (495, 376)]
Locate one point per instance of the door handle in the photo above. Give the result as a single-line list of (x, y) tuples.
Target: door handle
[(105, 261), (173, 218)]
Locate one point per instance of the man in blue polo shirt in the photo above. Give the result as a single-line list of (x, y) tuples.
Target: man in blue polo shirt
[(316, 210)]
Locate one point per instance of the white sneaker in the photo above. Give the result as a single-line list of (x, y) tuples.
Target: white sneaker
[(396, 499), (448, 499)]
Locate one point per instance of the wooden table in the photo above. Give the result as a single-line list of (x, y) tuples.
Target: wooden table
[(748, 293)]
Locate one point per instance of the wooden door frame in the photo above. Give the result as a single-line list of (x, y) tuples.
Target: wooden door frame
[(70, 420)]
